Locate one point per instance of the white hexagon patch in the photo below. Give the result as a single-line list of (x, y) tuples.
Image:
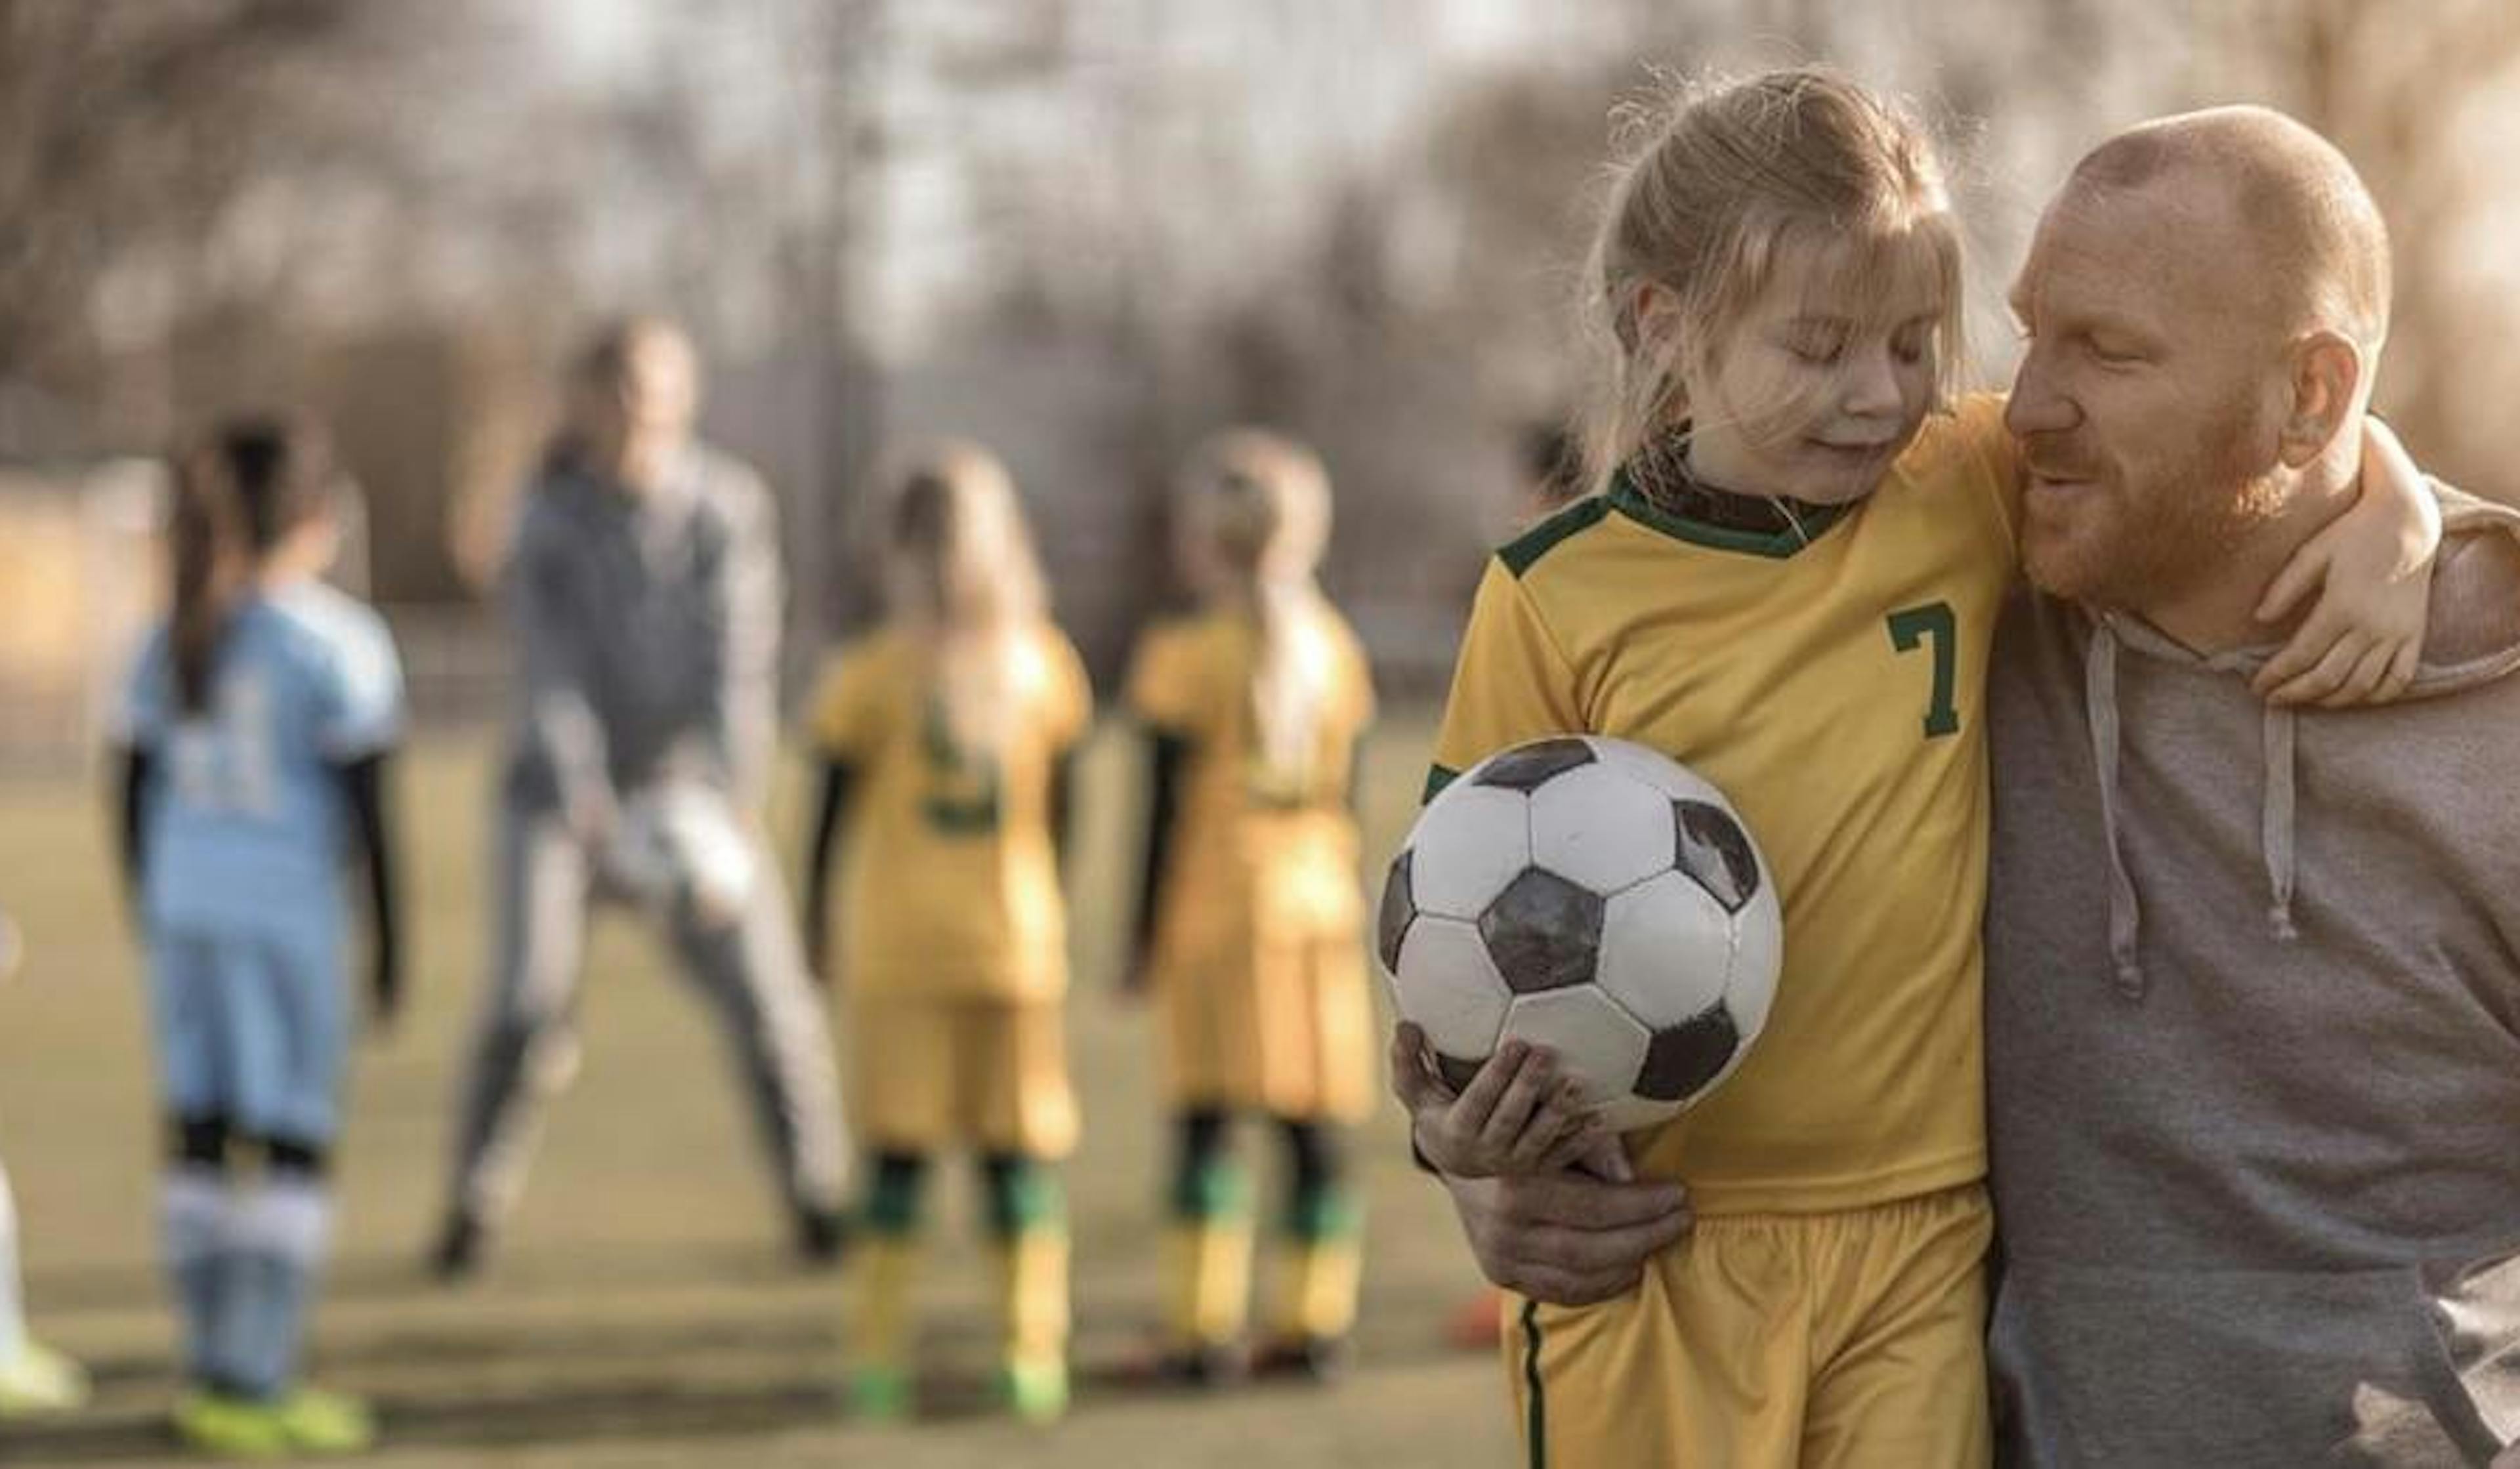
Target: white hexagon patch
[(1469, 844), (1447, 984), (1667, 950), (1597, 829)]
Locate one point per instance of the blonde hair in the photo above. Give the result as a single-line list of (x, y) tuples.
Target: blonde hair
[(960, 571), (1711, 184), (1256, 506)]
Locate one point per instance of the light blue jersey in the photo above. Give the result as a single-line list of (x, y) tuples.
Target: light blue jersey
[(246, 828)]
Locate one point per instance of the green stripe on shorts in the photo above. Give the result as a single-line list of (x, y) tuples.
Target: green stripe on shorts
[(1535, 1425)]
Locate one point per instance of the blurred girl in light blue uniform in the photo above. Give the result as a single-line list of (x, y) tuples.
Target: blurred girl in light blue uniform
[(257, 727)]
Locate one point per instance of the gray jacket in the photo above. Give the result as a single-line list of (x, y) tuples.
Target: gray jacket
[(647, 632), (2253, 1041)]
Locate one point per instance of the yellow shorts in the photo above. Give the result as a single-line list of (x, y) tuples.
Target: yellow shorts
[(929, 1073), (1288, 1033), (1774, 1341)]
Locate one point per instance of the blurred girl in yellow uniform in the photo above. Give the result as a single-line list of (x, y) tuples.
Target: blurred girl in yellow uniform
[(945, 738), (1250, 928)]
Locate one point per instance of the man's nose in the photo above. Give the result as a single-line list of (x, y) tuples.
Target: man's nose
[(2038, 404)]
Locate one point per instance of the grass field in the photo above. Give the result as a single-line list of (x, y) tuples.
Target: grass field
[(643, 1310)]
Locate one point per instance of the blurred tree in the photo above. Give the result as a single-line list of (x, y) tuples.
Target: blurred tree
[(2419, 106), (125, 131)]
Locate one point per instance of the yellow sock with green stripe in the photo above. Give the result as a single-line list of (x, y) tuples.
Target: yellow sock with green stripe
[(1321, 1265), (1207, 1250), (1028, 1225), (880, 1269)]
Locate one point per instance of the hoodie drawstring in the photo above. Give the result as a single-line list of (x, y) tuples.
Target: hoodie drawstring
[(2275, 815), (2100, 698), (2275, 824)]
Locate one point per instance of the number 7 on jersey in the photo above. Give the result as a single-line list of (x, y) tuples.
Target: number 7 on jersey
[(1932, 624)]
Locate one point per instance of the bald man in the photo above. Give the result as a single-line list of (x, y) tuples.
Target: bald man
[(2253, 976), (643, 593)]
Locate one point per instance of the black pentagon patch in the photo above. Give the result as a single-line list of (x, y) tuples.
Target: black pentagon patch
[(1681, 1060), (1543, 932), (1716, 851), (1399, 906), (1526, 767), (1456, 1072)]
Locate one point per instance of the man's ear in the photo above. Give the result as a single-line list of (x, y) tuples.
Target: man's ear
[(2325, 383)]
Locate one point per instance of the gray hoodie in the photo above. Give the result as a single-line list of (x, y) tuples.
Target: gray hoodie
[(2253, 1043), (649, 633)]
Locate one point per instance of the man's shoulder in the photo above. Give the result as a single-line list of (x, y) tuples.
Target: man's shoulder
[(2473, 631), (2041, 643)]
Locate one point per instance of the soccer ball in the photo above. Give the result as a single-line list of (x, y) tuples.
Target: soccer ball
[(682, 843), (1592, 896)]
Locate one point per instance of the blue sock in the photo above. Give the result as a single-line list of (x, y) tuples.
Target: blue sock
[(193, 1208), (270, 1267)]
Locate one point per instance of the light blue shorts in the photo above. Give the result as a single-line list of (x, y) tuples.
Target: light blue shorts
[(252, 1030)]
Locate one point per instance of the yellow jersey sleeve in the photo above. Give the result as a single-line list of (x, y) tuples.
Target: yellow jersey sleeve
[(1512, 683), (1070, 711), (847, 705), (1361, 706), (1163, 681), (1981, 429)]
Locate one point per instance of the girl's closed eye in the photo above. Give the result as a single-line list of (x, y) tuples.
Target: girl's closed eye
[(1820, 343)]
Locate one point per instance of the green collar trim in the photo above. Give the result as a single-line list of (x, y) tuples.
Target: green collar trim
[(1778, 545)]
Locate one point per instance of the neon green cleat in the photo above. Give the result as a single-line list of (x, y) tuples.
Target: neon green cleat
[(318, 1422), (879, 1394), (1035, 1390), (230, 1428), (40, 1380)]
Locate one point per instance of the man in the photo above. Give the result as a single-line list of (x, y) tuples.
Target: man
[(645, 591), (2253, 978)]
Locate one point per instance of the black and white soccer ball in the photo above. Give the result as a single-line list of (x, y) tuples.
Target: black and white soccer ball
[(680, 843), (1595, 897)]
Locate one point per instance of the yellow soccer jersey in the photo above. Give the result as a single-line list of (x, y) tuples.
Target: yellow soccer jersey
[(952, 883), (1256, 850), (1834, 691)]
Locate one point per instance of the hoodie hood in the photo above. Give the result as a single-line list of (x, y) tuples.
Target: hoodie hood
[(2471, 637)]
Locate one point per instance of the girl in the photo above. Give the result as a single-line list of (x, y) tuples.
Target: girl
[(1787, 576), (258, 725), (34, 1377), (1250, 928), (945, 739)]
